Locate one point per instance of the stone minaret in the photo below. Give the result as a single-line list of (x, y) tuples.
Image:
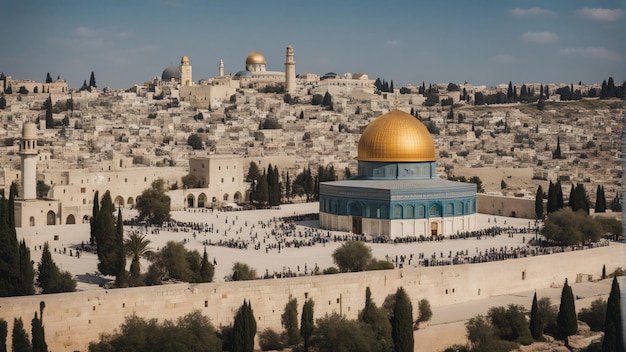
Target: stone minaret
[(290, 71), (28, 153), (221, 68), (185, 72)]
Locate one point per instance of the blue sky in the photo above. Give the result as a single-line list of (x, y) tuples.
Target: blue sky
[(479, 42)]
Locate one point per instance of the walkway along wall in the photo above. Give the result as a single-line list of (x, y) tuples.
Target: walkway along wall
[(72, 320)]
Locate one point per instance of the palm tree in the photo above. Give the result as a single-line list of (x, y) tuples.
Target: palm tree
[(136, 247)]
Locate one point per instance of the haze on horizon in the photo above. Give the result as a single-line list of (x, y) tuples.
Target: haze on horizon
[(479, 42)]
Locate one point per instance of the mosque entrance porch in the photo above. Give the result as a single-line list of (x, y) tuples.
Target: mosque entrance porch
[(357, 225), (434, 227)]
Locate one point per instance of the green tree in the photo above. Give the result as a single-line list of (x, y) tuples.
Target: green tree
[(27, 273), (595, 315), (153, 204), (93, 225), (510, 323), (244, 329), (20, 341), (306, 323), (547, 316), (49, 276), (613, 332), (136, 247), (304, 184), (541, 104), (352, 256), (242, 272), (616, 205), (173, 261), (38, 335), (253, 177), (190, 181), (566, 320), (535, 325), (4, 332), (48, 106), (92, 80), (48, 78), (424, 311), (378, 321), (539, 203), (109, 241), (568, 228), (269, 340), (335, 333), (262, 191), (289, 321), (402, 322), (482, 337), (120, 256), (600, 200), (194, 141), (207, 270)]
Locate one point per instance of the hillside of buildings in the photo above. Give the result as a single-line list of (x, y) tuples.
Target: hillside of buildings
[(510, 146)]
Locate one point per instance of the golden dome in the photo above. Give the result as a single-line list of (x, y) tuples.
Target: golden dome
[(255, 58), (184, 60), (396, 137)]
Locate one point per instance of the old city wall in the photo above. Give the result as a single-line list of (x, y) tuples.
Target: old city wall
[(72, 320)]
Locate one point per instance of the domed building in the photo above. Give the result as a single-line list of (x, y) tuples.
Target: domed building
[(397, 192), (256, 76), (171, 73)]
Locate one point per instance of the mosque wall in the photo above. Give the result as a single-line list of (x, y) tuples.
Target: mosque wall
[(72, 320)]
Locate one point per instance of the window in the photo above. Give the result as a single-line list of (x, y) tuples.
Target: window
[(409, 212), (222, 180), (397, 211), (83, 190)]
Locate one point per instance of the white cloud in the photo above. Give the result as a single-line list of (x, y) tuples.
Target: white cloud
[(540, 37), (592, 53), (392, 43), (533, 11), (504, 59), (602, 15), (85, 32)]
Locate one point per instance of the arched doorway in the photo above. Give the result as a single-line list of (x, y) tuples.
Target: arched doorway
[(237, 197), (357, 220), (190, 201), (201, 200), (119, 202), (226, 197), (130, 202), (51, 218), (71, 220), (434, 229)]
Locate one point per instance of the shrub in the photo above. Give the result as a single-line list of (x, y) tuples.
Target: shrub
[(269, 340), (594, 315)]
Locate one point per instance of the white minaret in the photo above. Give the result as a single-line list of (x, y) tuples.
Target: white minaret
[(221, 68), (185, 72), (28, 153), (290, 71)]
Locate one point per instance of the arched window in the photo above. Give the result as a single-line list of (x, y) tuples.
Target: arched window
[(435, 210), (409, 212), (459, 208), (384, 212), (421, 210), (449, 209), (397, 211)]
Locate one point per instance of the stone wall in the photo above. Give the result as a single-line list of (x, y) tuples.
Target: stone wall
[(72, 320)]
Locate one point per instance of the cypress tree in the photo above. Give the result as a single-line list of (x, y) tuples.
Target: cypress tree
[(48, 78), (581, 197), (277, 186), (4, 332), (559, 195), (207, 271), (306, 323), (287, 187), (92, 80), (10, 269), (539, 203), (613, 333), (47, 270), (118, 249), (551, 206), (27, 273), (106, 237), (535, 321), (289, 321), (574, 203), (49, 119), (38, 335), (557, 152), (94, 217), (566, 320), (20, 341), (244, 329), (600, 200), (402, 323)]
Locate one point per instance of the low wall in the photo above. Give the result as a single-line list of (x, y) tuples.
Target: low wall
[(72, 320)]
